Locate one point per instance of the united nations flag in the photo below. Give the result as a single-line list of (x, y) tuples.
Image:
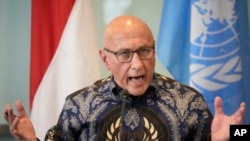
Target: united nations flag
[(206, 45)]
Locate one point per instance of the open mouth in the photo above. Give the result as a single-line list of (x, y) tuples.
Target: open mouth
[(136, 78)]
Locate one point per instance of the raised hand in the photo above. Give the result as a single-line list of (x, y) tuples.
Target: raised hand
[(20, 125), (220, 127)]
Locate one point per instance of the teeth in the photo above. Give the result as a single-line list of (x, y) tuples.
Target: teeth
[(137, 78)]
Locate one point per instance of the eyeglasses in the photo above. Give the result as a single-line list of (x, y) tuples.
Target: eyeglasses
[(126, 55)]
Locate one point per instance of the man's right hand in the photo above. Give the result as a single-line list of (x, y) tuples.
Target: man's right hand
[(20, 125)]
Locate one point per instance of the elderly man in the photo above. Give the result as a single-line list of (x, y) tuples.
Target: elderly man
[(135, 103)]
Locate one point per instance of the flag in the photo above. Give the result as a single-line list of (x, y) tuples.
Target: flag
[(205, 44), (64, 56)]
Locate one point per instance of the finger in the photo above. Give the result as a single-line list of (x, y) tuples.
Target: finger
[(20, 108), (6, 115), (239, 114), (9, 114), (14, 124), (218, 106)]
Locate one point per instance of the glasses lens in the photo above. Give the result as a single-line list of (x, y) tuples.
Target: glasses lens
[(145, 52), (124, 56)]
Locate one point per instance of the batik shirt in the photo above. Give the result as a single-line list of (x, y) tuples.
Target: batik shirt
[(167, 111)]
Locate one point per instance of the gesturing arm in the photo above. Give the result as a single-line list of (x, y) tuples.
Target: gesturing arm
[(20, 125), (220, 127)]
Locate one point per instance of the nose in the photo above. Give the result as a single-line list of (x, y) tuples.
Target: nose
[(136, 62)]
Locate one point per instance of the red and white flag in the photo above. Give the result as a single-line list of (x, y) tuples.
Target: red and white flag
[(64, 56)]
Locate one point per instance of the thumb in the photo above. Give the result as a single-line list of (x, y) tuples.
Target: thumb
[(20, 108)]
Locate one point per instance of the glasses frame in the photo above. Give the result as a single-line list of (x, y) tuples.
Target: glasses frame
[(132, 51)]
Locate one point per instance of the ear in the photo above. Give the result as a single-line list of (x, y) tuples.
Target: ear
[(104, 58)]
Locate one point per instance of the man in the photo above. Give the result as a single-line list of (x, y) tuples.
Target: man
[(134, 103)]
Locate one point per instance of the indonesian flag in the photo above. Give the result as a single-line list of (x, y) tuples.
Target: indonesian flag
[(64, 56)]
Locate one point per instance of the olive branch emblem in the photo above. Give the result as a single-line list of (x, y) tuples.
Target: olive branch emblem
[(216, 76)]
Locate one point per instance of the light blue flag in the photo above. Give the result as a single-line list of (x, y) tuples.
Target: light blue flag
[(206, 45)]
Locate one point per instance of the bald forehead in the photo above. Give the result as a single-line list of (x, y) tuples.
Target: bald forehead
[(126, 24), (126, 21)]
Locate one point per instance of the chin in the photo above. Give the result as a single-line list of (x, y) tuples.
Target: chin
[(136, 92)]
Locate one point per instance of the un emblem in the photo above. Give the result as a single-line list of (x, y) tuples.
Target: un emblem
[(214, 47)]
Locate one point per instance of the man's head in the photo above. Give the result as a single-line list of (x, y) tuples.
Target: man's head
[(123, 35)]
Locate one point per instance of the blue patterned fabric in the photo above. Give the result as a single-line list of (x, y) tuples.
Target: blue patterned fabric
[(167, 111)]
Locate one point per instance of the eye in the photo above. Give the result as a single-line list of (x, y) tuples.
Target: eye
[(124, 53), (144, 50)]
